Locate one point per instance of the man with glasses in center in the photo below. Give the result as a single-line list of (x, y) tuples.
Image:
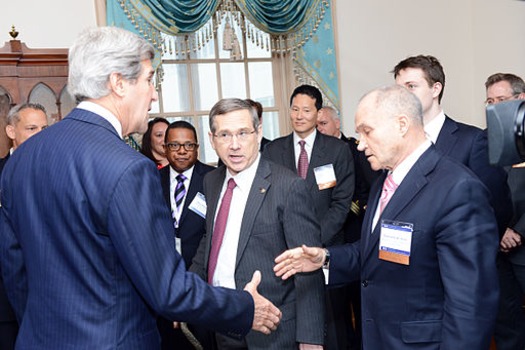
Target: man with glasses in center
[(256, 209), (182, 188)]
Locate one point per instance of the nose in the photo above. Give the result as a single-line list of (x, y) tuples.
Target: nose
[(155, 96), (361, 145), (234, 144)]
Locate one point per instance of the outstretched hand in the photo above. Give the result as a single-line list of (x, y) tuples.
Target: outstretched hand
[(266, 316), (300, 259)]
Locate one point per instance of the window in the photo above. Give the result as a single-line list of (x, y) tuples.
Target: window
[(194, 80)]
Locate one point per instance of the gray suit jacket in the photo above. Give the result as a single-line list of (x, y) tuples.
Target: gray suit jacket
[(332, 204), (278, 216)]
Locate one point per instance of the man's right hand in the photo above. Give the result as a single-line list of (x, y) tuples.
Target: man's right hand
[(266, 316)]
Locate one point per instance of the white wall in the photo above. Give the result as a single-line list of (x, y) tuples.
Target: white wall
[(46, 23), (471, 38)]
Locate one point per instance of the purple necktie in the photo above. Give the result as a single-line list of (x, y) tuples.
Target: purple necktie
[(180, 190), (219, 228), (302, 165), (389, 187)]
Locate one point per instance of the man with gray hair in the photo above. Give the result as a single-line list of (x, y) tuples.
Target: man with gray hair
[(273, 212), (23, 121), (86, 240), (426, 258), (509, 333)]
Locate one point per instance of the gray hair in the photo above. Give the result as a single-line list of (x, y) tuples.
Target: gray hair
[(227, 105), (332, 112), (396, 100), (13, 117), (99, 52)]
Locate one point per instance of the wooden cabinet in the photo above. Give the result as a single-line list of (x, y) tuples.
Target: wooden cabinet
[(32, 75)]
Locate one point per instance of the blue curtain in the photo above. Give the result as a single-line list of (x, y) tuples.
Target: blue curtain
[(317, 60), (279, 17), (316, 57)]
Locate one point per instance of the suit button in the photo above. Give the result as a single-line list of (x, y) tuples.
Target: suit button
[(364, 283)]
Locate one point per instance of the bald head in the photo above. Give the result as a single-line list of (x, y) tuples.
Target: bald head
[(328, 122), (389, 121)]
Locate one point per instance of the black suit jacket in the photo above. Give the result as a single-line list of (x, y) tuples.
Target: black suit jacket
[(468, 145), (333, 204), (364, 178), (191, 226), (278, 216)]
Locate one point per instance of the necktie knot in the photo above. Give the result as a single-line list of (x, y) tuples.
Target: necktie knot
[(181, 178), (302, 143), (231, 184), (389, 187)]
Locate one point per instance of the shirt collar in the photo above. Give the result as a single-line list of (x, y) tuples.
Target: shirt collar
[(309, 140), (404, 167), (103, 112), (244, 179), (433, 127)]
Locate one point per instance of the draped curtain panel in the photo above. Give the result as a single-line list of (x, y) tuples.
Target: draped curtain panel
[(309, 21), (316, 63)]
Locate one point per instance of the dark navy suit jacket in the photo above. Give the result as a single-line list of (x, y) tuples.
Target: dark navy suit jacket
[(87, 248), (447, 297), (469, 145), (191, 226), (332, 204)]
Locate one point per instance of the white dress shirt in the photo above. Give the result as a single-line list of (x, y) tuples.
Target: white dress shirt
[(224, 275), (308, 146), (433, 127)]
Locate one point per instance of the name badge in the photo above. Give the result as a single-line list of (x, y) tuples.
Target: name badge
[(198, 205), (325, 176), (395, 241)]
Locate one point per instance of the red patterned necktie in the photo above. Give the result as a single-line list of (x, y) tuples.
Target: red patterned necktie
[(302, 165), (219, 228), (389, 187)]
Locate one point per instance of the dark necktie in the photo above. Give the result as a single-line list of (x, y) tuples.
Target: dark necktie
[(219, 228), (180, 190), (302, 165)]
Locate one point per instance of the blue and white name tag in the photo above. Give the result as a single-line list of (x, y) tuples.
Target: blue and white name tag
[(325, 176), (198, 205), (395, 241)]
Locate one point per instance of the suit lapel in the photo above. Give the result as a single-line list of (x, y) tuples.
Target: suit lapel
[(288, 154), (447, 136), (256, 197), (412, 184), (317, 158)]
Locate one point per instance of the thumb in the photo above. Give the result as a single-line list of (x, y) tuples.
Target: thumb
[(254, 283)]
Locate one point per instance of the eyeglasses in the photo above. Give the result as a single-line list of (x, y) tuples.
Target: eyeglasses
[(491, 101), (226, 137), (175, 146)]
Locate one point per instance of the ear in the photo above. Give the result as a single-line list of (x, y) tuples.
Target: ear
[(210, 135), (10, 131), (259, 134), (403, 123), (436, 89), (117, 84)]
